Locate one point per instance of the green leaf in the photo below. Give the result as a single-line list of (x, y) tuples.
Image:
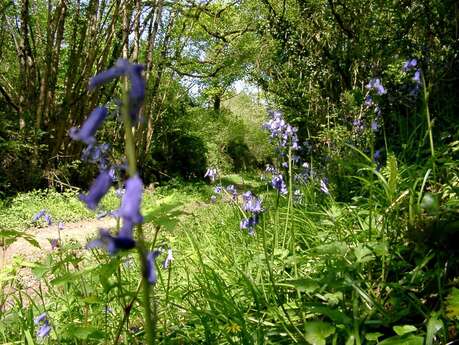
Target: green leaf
[(452, 304), (373, 336), (83, 332), (307, 285), (318, 331), (408, 339), (433, 326), (405, 329)]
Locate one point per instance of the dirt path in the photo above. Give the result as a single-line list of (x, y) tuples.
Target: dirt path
[(78, 231)]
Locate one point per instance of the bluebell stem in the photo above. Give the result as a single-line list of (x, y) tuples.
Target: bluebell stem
[(88, 129), (130, 204), (98, 189), (169, 259), (150, 269)]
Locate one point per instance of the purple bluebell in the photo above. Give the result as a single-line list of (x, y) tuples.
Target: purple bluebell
[(377, 155), (270, 169), (218, 189), (285, 165), (54, 243), (169, 259), (211, 173), (134, 73), (368, 101), (278, 183), (130, 204), (126, 231), (213, 199), (375, 84), (324, 186), (358, 124), (88, 129), (417, 76), (38, 215), (231, 189), (98, 189), (249, 224), (44, 330), (374, 126), (40, 318), (60, 226), (150, 269), (251, 203), (48, 219), (408, 65), (110, 243)]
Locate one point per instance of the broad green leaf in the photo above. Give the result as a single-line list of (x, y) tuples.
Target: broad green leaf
[(83, 332), (408, 339), (405, 329), (373, 336), (307, 285), (318, 331)]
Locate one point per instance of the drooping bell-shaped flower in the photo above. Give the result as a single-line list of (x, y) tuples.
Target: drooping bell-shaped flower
[(130, 204), (88, 129), (98, 189), (150, 269)]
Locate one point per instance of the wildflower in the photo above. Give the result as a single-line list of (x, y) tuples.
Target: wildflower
[(278, 183), (374, 126), (130, 204), (54, 243), (249, 224), (218, 189), (376, 155), (358, 124), (417, 76), (45, 327), (324, 186), (98, 189), (368, 101), (150, 269), (408, 65), (126, 229), (48, 219), (90, 126), (38, 215), (251, 203), (44, 330), (169, 259), (270, 169), (211, 173), (60, 226), (213, 199), (110, 243), (375, 84), (232, 190)]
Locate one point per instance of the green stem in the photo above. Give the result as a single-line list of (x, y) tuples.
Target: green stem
[(150, 325)]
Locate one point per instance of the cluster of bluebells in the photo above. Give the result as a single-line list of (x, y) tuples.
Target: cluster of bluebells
[(131, 198), (374, 87), (409, 66), (252, 208), (211, 173), (251, 205), (44, 326)]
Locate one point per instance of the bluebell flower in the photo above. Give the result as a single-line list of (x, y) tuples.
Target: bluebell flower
[(278, 183), (376, 155), (88, 129), (374, 126), (130, 204), (60, 226), (98, 189), (249, 224), (213, 199), (211, 173), (40, 318), (150, 269), (38, 215), (231, 189), (45, 327), (417, 76), (44, 330), (134, 73), (126, 230), (324, 186), (408, 65), (375, 84), (251, 203), (218, 189), (48, 219), (368, 101), (169, 259), (110, 243), (54, 243), (358, 124), (270, 169)]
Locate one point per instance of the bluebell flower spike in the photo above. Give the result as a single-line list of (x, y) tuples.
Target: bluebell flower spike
[(98, 189), (88, 129)]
